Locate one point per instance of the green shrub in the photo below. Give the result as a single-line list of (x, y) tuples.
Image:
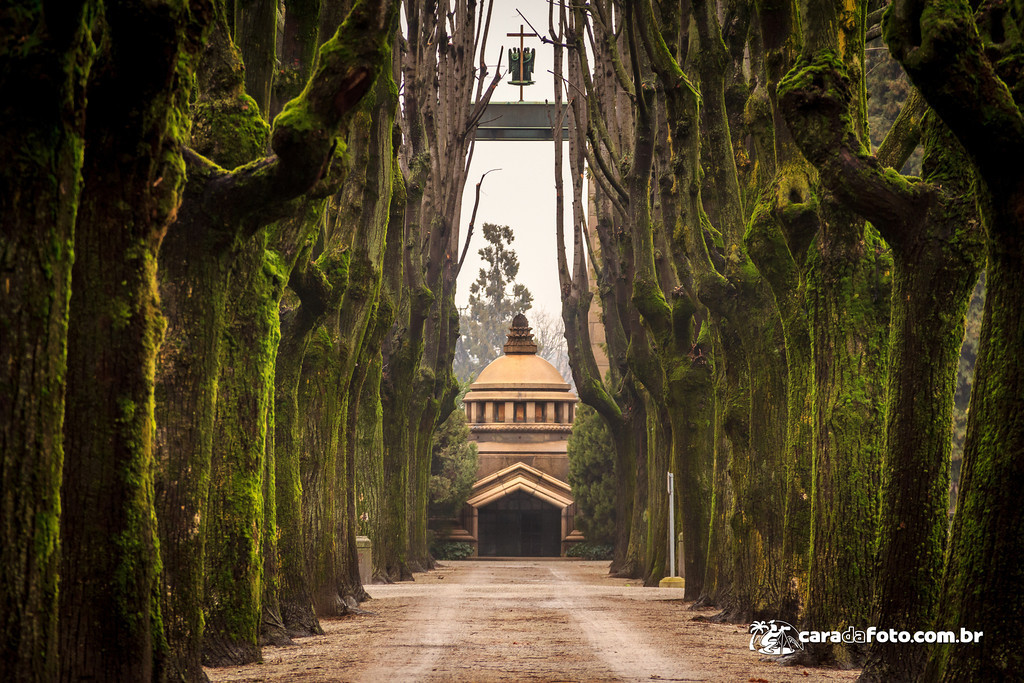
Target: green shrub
[(591, 551), (451, 550), (592, 475), (453, 467)]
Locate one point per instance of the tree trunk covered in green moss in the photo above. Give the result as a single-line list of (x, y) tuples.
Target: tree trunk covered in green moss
[(936, 245), (192, 290), (255, 34), (321, 407), (228, 130), (238, 529), (42, 103), (111, 626), (952, 59), (848, 302), (382, 484), (849, 306), (936, 267), (396, 383), (297, 324), (272, 628)]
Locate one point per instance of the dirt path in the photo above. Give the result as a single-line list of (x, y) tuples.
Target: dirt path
[(530, 620)]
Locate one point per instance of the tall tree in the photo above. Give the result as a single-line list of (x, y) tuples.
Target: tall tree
[(494, 297), (46, 55), (964, 64), (134, 179)]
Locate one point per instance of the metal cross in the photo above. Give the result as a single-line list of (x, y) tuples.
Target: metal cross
[(522, 50)]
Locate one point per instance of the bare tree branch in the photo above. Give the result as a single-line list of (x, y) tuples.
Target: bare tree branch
[(472, 221)]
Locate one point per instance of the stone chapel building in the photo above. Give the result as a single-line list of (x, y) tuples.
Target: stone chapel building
[(520, 412)]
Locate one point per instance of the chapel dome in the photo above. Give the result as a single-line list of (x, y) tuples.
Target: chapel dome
[(520, 371), (520, 368)]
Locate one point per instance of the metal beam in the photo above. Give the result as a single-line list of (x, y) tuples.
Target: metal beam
[(519, 122)]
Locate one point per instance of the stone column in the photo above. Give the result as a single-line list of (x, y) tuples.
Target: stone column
[(549, 412), (510, 411), (531, 411)]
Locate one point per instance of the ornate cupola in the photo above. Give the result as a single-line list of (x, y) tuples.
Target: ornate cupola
[(520, 337)]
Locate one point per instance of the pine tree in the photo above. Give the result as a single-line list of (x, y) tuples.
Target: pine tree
[(494, 298)]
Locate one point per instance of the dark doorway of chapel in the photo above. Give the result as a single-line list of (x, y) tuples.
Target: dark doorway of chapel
[(520, 525)]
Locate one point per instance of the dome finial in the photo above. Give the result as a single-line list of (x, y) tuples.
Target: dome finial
[(520, 339)]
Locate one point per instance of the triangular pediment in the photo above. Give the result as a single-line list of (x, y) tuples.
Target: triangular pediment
[(520, 477)]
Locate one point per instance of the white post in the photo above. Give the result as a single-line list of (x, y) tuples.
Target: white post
[(671, 528)]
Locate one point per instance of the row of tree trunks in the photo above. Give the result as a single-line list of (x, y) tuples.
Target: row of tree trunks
[(197, 441), (141, 419), (444, 98), (823, 414)]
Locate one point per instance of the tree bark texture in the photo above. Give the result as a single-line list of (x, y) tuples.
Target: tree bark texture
[(847, 292), (963, 66), (42, 91)]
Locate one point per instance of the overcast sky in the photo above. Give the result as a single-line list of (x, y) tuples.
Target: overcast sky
[(522, 194)]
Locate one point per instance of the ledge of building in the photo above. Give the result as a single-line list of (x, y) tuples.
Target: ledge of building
[(520, 427)]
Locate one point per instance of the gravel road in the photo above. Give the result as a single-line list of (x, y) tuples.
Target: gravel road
[(528, 620)]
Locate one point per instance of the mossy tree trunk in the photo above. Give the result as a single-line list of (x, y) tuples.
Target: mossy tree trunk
[(255, 33), (238, 529), (320, 408), (389, 546), (950, 56), (229, 130), (111, 625), (935, 238), (848, 297), (299, 316), (42, 102)]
